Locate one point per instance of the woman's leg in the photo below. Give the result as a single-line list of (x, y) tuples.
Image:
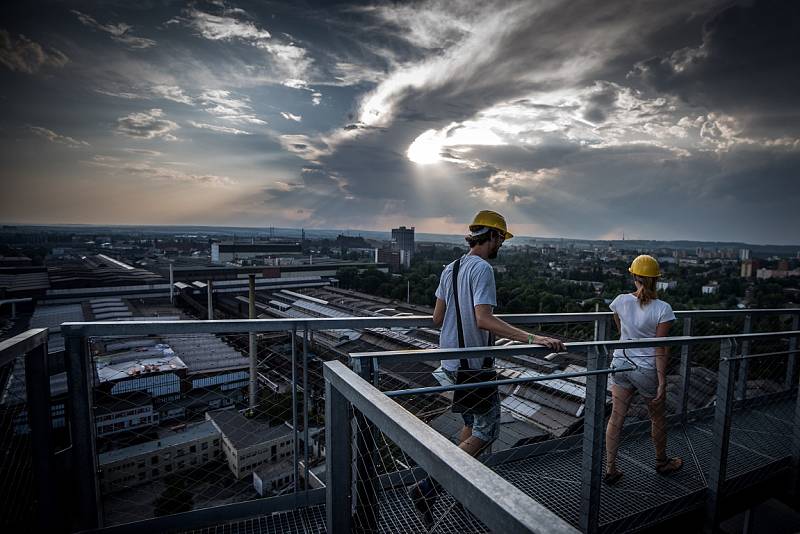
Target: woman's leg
[(621, 398), (658, 429)]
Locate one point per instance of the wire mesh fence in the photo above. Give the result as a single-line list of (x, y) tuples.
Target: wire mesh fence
[(178, 429), (17, 492), (392, 494), (664, 447), (763, 415)]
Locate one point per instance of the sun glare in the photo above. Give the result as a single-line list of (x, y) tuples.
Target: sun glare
[(426, 148)]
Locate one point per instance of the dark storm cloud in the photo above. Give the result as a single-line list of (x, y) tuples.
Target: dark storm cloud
[(662, 119), (18, 53), (746, 62), (120, 32)]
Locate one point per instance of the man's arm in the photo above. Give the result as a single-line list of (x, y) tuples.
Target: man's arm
[(438, 312), (487, 321)]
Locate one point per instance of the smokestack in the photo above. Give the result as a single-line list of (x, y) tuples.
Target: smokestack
[(171, 285)]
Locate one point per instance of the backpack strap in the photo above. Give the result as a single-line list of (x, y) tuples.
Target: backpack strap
[(464, 364)]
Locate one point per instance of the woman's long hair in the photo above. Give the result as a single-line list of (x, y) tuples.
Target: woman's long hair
[(647, 291)]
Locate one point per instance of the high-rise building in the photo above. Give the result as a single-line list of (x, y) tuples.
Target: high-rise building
[(403, 241), (744, 254)]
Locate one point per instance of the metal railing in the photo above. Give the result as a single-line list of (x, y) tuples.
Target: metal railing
[(83, 457), (369, 365), (496, 502), (30, 461)]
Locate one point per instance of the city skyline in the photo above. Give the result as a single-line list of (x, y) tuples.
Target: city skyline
[(667, 122)]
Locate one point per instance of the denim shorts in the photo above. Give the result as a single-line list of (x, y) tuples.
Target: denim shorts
[(485, 426), (644, 379)]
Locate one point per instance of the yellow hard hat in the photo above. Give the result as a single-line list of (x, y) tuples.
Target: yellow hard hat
[(645, 265), (490, 219)]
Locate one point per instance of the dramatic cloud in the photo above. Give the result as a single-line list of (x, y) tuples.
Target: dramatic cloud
[(741, 63), (659, 119), (147, 125), (226, 106), (290, 117), (53, 137), (217, 128), (20, 54), (158, 91), (224, 28), (162, 173), (290, 61), (119, 32)]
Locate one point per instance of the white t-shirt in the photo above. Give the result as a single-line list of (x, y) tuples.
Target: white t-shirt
[(475, 286), (638, 322)]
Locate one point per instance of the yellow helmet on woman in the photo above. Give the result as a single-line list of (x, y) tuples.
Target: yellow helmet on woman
[(645, 265), (491, 219)]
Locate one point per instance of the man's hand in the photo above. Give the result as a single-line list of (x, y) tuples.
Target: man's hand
[(550, 343), (661, 393)]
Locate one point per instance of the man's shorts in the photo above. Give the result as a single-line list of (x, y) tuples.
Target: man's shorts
[(485, 426), (644, 379)]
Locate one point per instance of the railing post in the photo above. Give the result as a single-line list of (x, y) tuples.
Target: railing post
[(593, 443), (685, 373), (741, 385), (253, 346), (366, 495), (338, 458), (37, 393), (721, 429), (794, 490), (791, 361), (295, 448), (306, 395), (80, 378), (600, 329)]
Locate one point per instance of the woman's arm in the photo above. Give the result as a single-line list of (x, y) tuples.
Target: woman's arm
[(662, 361)]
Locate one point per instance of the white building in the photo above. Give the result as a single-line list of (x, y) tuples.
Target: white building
[(230, 251), (710, 288), (121, 413), (249, 444), (273, 477), (666, 285), (145, 462)]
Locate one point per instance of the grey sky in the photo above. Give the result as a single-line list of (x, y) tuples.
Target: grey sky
[(663, 120)]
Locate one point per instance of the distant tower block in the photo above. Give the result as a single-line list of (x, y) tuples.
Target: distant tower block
[(403, 242)]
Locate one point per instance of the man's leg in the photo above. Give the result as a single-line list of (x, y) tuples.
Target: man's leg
[(466, 433)]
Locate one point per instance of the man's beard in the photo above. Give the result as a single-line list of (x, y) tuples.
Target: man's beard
[(493, 253)]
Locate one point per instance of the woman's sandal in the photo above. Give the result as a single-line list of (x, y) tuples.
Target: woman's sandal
[(668, 466), (611, 478)]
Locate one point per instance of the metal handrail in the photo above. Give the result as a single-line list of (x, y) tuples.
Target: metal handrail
[(232, 326), (21, 344), (491, 498), (409, 356), (504, 381)]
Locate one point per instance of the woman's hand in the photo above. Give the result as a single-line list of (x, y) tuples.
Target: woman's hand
[(661, 393)]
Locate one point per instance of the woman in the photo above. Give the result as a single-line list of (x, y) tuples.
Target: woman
[(640, 315)]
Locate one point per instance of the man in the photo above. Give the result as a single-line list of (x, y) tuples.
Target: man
[(476, 301)]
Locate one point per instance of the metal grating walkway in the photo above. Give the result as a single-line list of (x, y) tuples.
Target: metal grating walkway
[(760, 446)]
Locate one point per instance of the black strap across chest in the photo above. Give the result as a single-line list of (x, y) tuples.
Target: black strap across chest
[(464, 364)]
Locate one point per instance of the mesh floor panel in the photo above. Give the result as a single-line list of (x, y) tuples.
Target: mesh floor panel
[(760, 440)]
